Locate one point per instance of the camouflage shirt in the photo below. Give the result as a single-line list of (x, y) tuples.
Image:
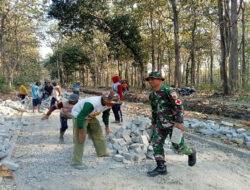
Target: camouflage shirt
[(166, 107)]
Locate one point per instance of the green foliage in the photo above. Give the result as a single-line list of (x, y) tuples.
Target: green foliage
[(29, 72), (143, 31), (244, 98), (3, 85), (70, 57), (87, 16)]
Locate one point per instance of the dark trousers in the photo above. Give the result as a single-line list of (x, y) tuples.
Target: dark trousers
[(22, 96), (117, 112), (53, 102), (76, 92), (64, 124), (45, 96)]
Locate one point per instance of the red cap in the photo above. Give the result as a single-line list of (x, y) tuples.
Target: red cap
[(116, 79)]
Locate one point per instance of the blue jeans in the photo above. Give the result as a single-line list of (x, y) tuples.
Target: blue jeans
[(76, 92), (117, 112), (36, 102)]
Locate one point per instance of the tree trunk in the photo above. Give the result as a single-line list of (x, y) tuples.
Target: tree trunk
[(193, 51), (159, 66), (2, 31), (233, 59), (227, 28), (169, 67), (119, 69), (101, 74), (187, 70), (244, 69), (83, 75), (132, 77), (223, 69), (177, 77), (3, 16), (143, 85), (159, 60), (198, 72), (135, 76), (126, 71), (152, 41), (107, 79), (211, 63), (97, 75), (94, 71)]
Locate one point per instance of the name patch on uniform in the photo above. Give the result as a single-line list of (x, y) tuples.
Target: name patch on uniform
[(174, 94)]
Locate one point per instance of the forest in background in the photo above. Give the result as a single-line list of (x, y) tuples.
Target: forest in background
[(193, 43)]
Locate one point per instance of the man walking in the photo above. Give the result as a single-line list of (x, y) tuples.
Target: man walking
[(117, 87), (65, 113), (77, 88), (167, 113), (56, 94)]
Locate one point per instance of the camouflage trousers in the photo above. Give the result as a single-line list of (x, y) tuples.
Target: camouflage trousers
[(158, 140)]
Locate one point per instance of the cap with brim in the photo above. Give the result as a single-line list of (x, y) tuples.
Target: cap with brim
[(73, 97), (147, 79), (155, 75)]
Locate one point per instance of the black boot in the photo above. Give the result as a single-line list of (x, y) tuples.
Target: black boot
[(192, 158), (61, 139), (161, 169)]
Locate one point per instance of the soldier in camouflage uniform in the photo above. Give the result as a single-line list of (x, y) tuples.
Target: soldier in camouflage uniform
[(167, 113)]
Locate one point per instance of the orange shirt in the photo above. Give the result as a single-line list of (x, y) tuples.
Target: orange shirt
[(124, 85)]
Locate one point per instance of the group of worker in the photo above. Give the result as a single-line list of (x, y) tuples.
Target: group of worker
[(167, 114)]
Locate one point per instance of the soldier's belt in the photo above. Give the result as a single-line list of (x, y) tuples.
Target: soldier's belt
[(167, 125)]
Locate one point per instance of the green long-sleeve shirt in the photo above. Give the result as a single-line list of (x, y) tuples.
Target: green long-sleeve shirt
[(86, 111)]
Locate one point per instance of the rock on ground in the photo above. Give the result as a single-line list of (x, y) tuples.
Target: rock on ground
[(44, 163)]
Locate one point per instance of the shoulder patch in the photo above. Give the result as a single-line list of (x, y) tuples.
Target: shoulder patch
[(178, 102), (173, 94)]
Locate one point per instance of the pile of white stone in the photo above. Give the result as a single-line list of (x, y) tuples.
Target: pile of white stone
[(222, 130), (45, 104), (65, 93), (4, 143), (9, 107), (131, 144), (8, 122)]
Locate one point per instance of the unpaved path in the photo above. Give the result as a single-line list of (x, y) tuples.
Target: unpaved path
[(45, 164)]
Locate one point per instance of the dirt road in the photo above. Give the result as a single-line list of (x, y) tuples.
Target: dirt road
[(45, 164)]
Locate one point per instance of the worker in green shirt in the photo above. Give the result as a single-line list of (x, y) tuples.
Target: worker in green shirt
[(84, 121)]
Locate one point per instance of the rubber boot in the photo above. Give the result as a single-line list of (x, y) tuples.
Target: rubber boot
[(61, 139), (192, 158), (161, 169), (61, 134)]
